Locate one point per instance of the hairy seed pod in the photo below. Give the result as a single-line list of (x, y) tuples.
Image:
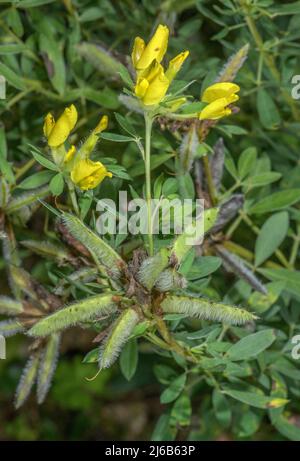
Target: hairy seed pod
[(47, 367), (233, 65), (48, 250), (101, 250), (10, 306), (27, 380), (119, 334), (216, 162), (187, 150), (151, 268), (10, 328), (236, 265), (26, 199), (206, 310), (185, 241), (170, 280), (80, 311), (228, 210)]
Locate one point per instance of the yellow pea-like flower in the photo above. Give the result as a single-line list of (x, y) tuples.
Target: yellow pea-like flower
[(87, 174), (152, 85), (221, 90), (152, 80), (215, 110), (102, 125), (49, 123), (175, 65), (57, 132), (219, 96), (143, 55), (70, 154)]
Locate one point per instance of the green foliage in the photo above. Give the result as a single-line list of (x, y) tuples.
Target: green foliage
[(215, 321)]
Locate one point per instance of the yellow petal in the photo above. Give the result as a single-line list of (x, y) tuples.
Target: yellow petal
[(155, 49), (63, 127), (138, 48), (157, 89), (49, 123), (141, 87), (87, 174), (215, 110), (175, 65), (219, 90), (70, 154), (102, 125)]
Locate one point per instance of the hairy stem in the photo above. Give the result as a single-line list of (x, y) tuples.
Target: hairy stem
[(148, 129)]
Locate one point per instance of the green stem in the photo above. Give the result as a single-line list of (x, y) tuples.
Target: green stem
[(209, 179), (148, 129), (73, 198)]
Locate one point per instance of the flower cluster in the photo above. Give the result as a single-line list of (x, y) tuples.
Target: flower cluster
[(84, 173)]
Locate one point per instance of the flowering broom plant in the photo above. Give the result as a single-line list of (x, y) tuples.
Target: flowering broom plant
[(148, 285)]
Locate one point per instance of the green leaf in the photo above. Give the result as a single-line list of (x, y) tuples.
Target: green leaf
[(52, 52), (12, 78), (252, 345), (57, 184), (290, 277), (276, 201), (204, 266), (271, 235), (36, 180), (125, 76), (116, 137), (172, 392), (44, 161), (222, 408), (129, 359), (262, 179), (181, 411), (246, 162), (125, 124), (267, 110), (254, 399)]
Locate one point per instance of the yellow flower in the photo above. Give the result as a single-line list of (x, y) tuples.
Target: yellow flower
[(87, 174), (70, 154), (143, 55), (221, 90), (215, 110), (219, 96), (102, 125), (58, 132), (152, 81), (175, 65)]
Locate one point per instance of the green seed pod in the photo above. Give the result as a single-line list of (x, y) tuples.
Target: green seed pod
[(80, 311), (4, 193), (233, 65), (10, 328), (26, 199), (185, 241), (188, 149), (170, 280), (101, 250), (119, 334), (206, 310), (48, 250), (47, 367), (10, 306), (27, 380), (151, 268)]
